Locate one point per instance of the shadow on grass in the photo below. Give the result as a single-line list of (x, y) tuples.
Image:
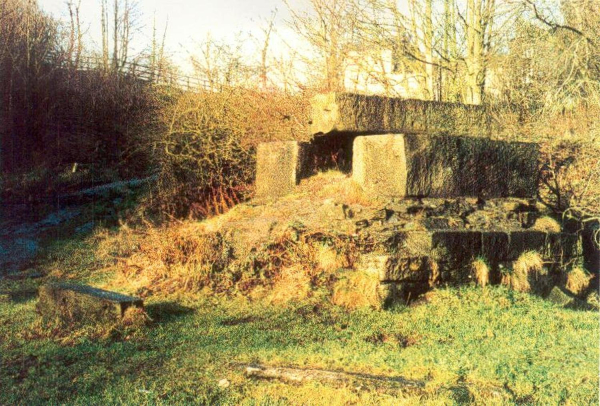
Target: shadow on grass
[(167, 311), (21, 295)]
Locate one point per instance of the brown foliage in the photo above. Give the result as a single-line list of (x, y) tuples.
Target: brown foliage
[(205, 151)]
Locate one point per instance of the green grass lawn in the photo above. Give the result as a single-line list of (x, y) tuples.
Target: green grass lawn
[(489, 346)]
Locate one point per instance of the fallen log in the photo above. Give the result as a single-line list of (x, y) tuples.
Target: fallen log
[(299, 375)]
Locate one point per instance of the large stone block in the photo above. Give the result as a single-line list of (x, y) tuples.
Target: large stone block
[(82, 303), (279, 167), (353, 113), (456, 249), (526, 240), (444, 166), (379, 164), (470, 166)]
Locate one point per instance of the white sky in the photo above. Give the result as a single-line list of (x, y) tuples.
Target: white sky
[(189, 21)]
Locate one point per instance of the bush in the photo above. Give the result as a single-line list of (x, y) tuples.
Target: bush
[(205, 150)]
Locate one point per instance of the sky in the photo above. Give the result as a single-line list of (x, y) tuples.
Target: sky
[(189, 22)]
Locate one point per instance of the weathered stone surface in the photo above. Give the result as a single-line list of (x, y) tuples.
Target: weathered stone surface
[(82, 303), (392, 268), (562, 246), (279, 167), (526, 240), (346, 112), (456, 248), (388, 293), (591, 246), (560, 297), (469, 166), (379, 164), (495, 246)]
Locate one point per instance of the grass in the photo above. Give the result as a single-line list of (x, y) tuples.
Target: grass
[(488, 347), (468, 345)]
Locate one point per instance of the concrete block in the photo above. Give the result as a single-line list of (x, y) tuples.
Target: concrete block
[(81, 303), (279, 167), (379, 164)]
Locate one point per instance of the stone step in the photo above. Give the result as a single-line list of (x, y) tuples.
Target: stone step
[(359, 114), (81, 303)]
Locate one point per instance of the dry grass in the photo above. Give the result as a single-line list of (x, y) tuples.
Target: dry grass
[(186, 257), (178, 257), (291, 284), (343, 187), (357, 290), (329, 260), (547, 224), (578, 281), (527, 270), (481, 272), (433, 271)]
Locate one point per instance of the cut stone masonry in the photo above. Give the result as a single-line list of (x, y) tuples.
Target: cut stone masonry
[(404, 149)]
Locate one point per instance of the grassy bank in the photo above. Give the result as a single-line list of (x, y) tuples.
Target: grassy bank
[(489, 346)]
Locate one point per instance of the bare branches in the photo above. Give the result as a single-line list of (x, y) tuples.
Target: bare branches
[(555, 26)]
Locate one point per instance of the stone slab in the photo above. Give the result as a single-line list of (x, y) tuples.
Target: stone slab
[(379, 164), (560, 297), (526, 240), (81, 303), (359, 114), (279, 167)]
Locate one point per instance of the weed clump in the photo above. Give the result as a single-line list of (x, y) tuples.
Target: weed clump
[(187, 258), (578, 281), (547, 224), (356, 290), (481, 272), (526, 272)]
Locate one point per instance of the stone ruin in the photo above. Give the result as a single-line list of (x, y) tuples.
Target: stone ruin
[(454, 193)]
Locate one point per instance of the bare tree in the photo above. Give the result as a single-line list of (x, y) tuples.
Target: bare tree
[(329, 29)]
